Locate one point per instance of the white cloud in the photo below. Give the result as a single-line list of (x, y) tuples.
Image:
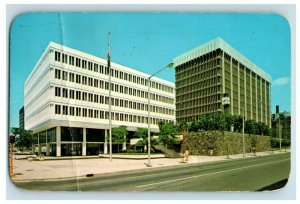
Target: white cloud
[(281, 81)]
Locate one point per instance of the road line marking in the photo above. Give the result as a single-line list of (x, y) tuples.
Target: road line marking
[(218, 172)]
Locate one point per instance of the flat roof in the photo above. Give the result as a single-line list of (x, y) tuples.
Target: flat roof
[(99, 60), (219, 43)]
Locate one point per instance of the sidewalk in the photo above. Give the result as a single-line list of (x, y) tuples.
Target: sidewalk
[(25, 170)]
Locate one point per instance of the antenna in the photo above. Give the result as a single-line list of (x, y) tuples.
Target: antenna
[(108, 51)]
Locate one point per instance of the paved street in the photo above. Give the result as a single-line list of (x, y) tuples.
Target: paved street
[(247, 174)]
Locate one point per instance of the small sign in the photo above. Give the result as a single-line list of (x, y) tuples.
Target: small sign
[(225, 101)]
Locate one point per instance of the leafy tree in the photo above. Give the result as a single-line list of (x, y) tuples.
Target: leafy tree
[(119, 135), (23, 139), (142, 133), (167, 133)]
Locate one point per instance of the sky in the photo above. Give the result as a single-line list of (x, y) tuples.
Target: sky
[(149, 41)]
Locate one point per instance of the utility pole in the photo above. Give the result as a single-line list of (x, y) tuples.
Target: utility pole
[(109, 101)]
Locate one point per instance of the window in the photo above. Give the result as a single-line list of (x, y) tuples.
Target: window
[(72, 110), (84, 96), (78, 95), (106, 85), (116, 88), (121, 75), (65, 110), (65, 58), (101, 84), (84, 80), (90, 97), (57, 91), (64, 75), (84, 112), (71, 77), (102, 99), (101, 114), (65, 93), (78, 62), (125, 76), (57, 56), (78, 78), (96, 114), (72, 94), (106, 100), (57, 109), (90, 81), (116, 102), (96, 81), (96, 98), (95, 67), (57, 74), (121, 89), (90, 113), (83, 65), (78, 111), (101, 69), (90, 66), (71, 60)]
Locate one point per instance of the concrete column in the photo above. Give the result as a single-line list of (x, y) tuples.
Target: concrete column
[(39, 145), (47, 144), (84, 142), (105, 141), (124, 144), (231, 87), (58, 141)]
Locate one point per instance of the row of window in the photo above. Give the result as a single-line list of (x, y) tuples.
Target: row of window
[(100, 114), (85, 64), (89, 81), (95, 98)]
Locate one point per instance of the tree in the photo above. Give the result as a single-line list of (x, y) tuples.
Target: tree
[(167, 133), (23, 138), (142, 134), (119, 135)]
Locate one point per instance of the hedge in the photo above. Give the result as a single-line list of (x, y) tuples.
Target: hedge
[(202, 142)]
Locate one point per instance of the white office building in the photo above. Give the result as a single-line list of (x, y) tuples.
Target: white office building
[(66, 102)]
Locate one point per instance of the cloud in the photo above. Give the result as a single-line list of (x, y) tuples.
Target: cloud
[(281, 81)]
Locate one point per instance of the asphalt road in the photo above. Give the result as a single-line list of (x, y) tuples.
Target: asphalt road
[(247, 174)]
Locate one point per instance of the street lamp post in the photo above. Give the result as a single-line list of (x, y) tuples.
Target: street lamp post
[(109, 96), (244, 133), (149, 120)]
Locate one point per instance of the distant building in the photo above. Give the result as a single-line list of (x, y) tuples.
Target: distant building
[(21, 118), (67, 102), (215, 71)]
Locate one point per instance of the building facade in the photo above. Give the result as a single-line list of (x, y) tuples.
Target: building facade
[(66, 102), (21, 118), (215, 71)]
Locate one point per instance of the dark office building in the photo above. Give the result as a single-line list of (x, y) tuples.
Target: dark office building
[(21, 118), (215, 77)]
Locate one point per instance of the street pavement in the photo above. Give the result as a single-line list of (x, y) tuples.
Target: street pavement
[(69, 168)]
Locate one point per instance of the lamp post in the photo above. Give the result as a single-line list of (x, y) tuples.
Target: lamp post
[(109, 96), (243, 132), (149, 81)]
